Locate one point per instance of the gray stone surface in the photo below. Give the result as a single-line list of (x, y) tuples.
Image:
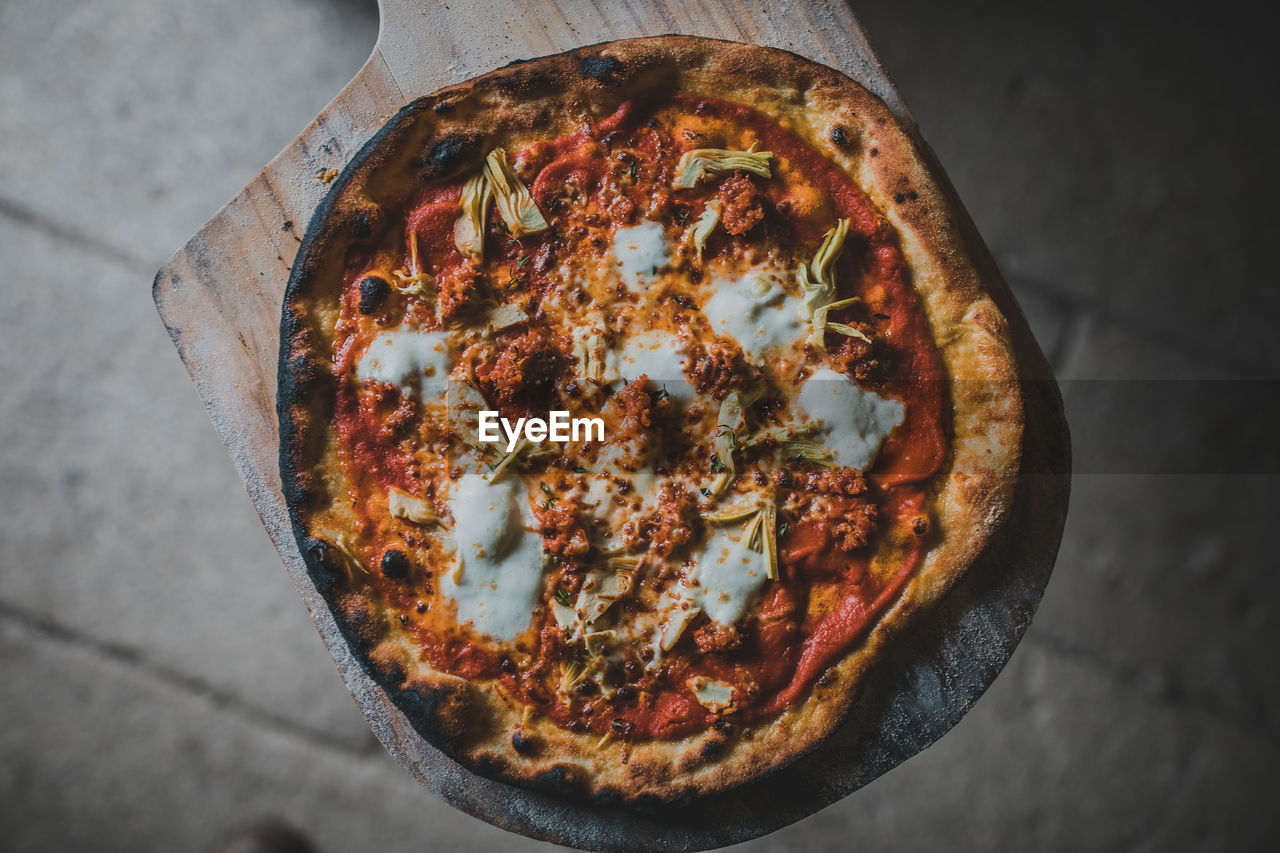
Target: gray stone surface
[(131, 121), (131, 761), (1112, 149), (163, 683), (121, 516)]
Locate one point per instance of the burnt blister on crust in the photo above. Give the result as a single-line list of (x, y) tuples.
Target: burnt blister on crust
[(433, 712), (524, 81), (524, 744), (360, 621), (311, 377), (450, 154), (299, 489), (362, 224), (602, 69), (557, 779), (844, 138), (486, 765)]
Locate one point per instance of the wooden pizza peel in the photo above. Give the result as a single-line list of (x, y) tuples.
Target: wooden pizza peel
[(220, 298)]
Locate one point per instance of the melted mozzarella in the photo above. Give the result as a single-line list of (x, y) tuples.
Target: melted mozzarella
[(724, 581), (603, 497), (658, 355), (497, 579), (641, 251), (854, 422), (728, 575), (417, 362), (753, 311)]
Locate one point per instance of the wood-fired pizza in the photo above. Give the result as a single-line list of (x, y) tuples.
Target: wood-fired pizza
[(631, 399)]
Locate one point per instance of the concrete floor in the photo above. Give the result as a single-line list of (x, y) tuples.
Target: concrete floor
[(163, 683)]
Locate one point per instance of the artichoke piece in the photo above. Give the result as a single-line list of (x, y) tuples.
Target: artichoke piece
[(729, 516), (706, 223), (353, 560), (780, 435), (769, 539), (816, 279), (571, 675), (808, 450), (412, 280), (728, 424), (515, 205), (409, 508), (715, 696), (596, 643), (847, 331), (468, 231), (674, 627), (821, 326), (695, 164), (507, 459), (603, 586), (505, 316), (818, 282), (592, 354), (565, 617), (465, 404)]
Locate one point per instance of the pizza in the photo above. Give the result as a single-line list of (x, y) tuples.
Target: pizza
[(631, 400)]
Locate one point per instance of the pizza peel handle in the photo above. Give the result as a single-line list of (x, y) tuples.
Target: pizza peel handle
[(220, 298)]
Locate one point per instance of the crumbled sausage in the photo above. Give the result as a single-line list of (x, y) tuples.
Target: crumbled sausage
[(841, 482), (858, 357), (639, 409), (622, 210), (717, 638), (677, 519), (742, 209), (524, 374), (716, 368), (562, 532), (668, 527), (854, 530), (457, 287), (395, 425), (840, 496)]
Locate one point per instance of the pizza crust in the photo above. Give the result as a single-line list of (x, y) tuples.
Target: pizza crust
[(445, 135)]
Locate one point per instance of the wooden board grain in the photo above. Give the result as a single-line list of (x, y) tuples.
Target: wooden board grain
[(220, 299)]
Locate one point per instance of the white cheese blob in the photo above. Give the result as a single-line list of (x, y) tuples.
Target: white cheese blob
[(641, 251), (619, 463), (417, 362), (753, 311), (853, 422), (658, 355), (497, 577), (724, 581), (728, 575)]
